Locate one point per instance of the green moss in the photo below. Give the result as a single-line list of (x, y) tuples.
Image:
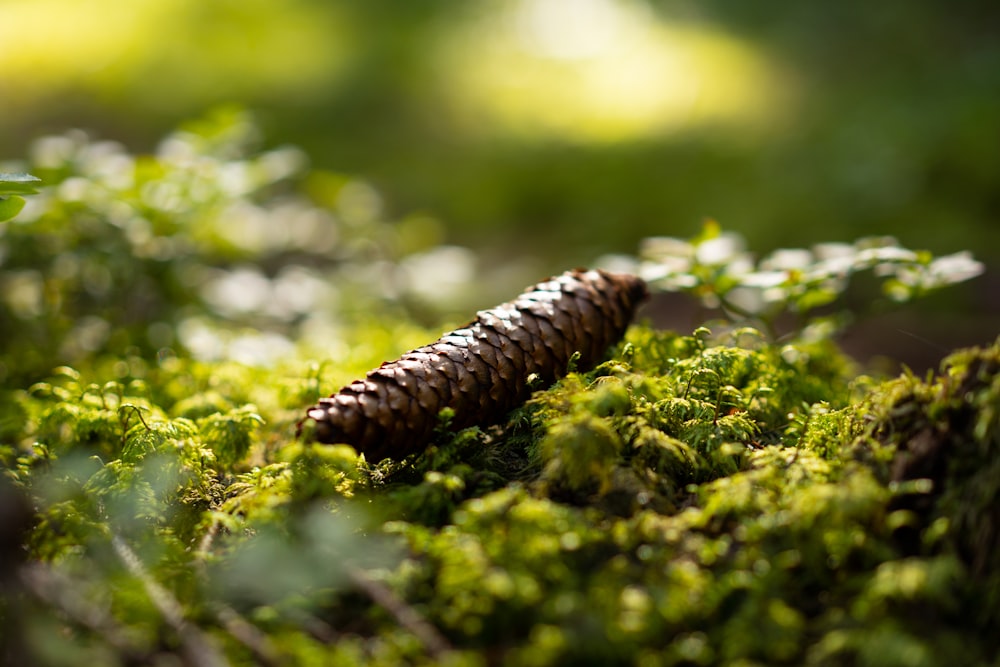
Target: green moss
[(681, 504), (686, 502)]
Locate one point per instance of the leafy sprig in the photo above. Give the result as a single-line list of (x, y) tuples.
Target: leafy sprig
[(12, 186), (716, 268)]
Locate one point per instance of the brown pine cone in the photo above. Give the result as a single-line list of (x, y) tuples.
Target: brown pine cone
[(481, 370)]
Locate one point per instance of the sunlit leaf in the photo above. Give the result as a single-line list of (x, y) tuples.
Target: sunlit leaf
[(10, 206), (18, 184)]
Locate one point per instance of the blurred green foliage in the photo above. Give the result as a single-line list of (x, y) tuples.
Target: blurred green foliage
[(878, 119), (730, 498), (541, 137), (210, 245)]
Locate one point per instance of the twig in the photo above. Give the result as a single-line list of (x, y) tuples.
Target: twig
[(231, 621), (408, 617), (248, 634), (198, 649), (60, 593), (317, 628), (206, 542)]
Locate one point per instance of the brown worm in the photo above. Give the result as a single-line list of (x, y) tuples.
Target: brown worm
[(481, 371)]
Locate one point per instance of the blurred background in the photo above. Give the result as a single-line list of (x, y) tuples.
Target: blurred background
[(541, 134)]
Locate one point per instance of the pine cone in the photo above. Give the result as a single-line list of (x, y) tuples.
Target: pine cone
[(481, 370)]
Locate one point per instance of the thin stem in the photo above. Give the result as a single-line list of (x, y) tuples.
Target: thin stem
[(405, 615), (197, 648), (60, 592), (731, 308), (248, 634)]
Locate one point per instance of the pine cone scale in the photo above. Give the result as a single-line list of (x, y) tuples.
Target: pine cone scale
[(481, 370)]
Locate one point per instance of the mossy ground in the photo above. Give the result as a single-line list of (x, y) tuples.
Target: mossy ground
[(695, 500)]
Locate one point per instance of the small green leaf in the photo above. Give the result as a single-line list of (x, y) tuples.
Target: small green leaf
[(18, 184), (710, 229), (815, 298), (9, 207), (897, 290)]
